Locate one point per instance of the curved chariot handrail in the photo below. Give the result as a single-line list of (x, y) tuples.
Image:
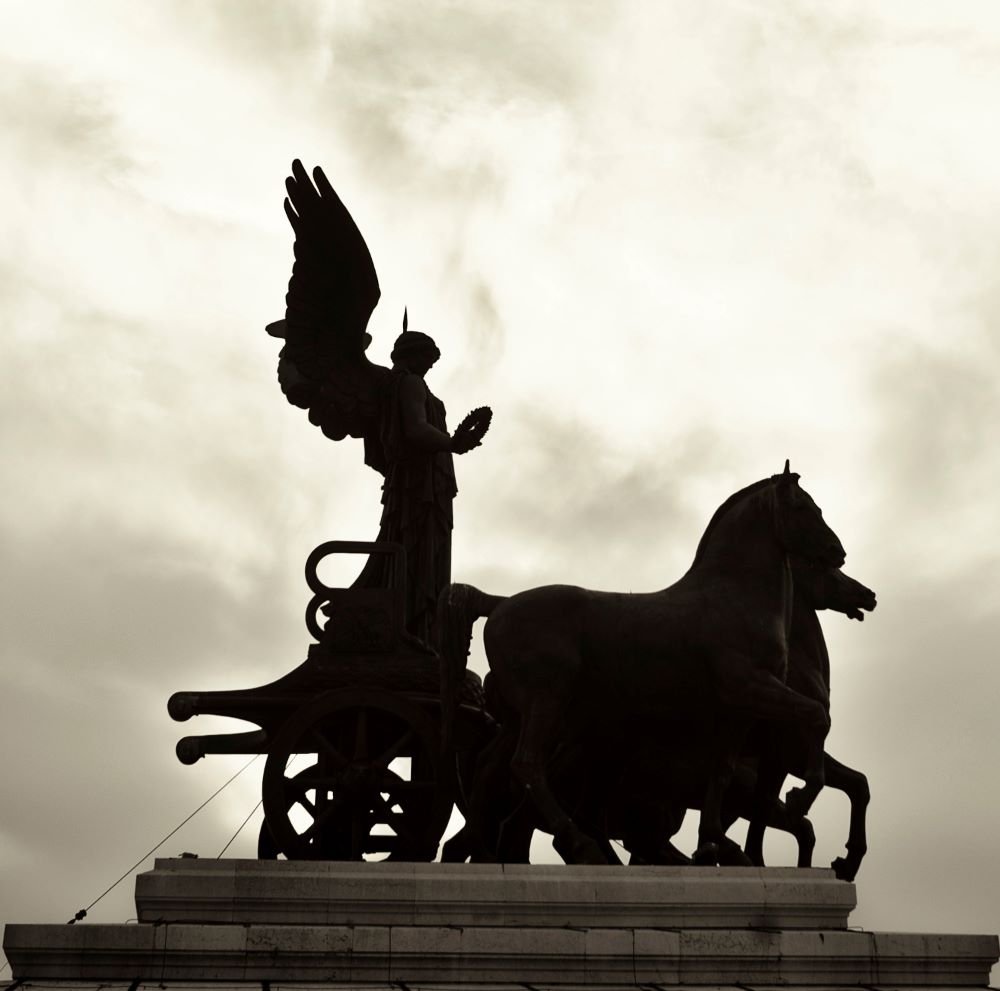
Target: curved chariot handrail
[(323, 593)]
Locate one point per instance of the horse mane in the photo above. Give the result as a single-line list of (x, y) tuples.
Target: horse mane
[(723, 509)]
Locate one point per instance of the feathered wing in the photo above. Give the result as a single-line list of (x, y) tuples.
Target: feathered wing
[(331, 295)]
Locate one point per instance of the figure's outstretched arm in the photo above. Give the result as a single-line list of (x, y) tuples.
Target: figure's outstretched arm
[(426, 437)]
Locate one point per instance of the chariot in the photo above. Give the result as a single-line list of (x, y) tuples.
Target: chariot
[(355, 764)]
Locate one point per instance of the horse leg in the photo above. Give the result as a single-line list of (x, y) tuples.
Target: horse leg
[(800, 800), (534, 747), (764, 696), (459, 848), (672, 818), (714, 847), (490, 802), (740, 804), (805, 836), (516, 831), (854, 784), (646, 828), (591, 818), (608, 850), (764, 794), (779, 817)]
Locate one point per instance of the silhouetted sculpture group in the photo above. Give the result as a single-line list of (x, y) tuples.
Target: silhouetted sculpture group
[(605, 716), (323, 368), (619, 712)]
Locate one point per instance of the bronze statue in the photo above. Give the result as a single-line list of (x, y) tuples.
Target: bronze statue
[(610, 713), (774, 749), (708, 655), (635, 784), (323, 368)]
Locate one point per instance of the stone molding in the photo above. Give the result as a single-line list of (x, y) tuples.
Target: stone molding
[(478, 955), (337, 893), (474, 927)]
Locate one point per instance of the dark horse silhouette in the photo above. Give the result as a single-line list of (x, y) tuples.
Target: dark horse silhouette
[(707, 655), (645, 821), (785, 751), (645, 804)]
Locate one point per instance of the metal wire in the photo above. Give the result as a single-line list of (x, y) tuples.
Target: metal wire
[(82, 913), (239, 829)]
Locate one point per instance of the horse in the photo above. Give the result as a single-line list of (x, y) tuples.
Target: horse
[(753, 794), (809, 673), (647, 805), (708, 653)]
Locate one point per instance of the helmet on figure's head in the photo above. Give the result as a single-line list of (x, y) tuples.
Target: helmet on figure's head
[(411, 344)]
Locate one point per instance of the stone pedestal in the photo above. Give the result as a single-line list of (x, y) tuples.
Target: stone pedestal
[(244, 923)]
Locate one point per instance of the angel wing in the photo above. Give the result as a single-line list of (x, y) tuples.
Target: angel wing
[(331, 295)]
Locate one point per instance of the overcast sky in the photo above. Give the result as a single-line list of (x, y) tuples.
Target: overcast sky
[(671, 244)]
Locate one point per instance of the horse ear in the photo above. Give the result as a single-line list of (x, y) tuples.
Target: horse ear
[(787, 472)]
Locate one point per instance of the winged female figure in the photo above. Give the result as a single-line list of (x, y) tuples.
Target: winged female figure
[(323, 368)]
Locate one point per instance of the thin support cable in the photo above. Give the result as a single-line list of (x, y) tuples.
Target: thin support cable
[(239, 829), (252, 811), (83, 911)]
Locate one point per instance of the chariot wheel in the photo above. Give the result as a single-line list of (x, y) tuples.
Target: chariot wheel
[(373, 781)]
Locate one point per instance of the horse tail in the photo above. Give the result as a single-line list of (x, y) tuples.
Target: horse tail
[(458, 608)]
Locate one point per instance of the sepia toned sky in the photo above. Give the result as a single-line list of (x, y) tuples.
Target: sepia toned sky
[(671, 244)]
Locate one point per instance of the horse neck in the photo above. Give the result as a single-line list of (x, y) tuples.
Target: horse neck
[(809, 660), (743, 541)]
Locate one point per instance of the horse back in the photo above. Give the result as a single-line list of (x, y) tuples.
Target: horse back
[(580, 645)]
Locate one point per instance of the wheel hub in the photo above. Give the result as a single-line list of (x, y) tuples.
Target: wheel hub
[(357, 783)]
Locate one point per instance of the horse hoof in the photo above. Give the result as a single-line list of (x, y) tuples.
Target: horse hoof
[(582, 850), (707, 855), (458, 849), (589, 853), (670, 856), (844, 869), (731, 855)]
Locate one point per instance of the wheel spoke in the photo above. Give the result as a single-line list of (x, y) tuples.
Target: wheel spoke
[(381, 843), (388, 756), (394, 784), (298, 791), (395, 820), (332, 809), (326, 748), (324, 783), (301, 784), (321, 816)]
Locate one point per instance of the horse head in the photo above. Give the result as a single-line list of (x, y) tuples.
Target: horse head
[(800, 526), (830, 588)]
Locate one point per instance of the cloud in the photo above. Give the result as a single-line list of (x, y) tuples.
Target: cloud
[(921, 671), (550, 499), (408, 88), (940, 409), (670, 246), (58, 120)]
